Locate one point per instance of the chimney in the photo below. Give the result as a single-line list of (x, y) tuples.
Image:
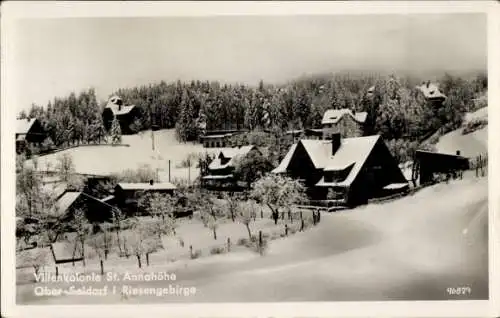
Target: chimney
[(354, 111), (458, 152), (151, 182), (336, 142), (428, 83), (120, 106)]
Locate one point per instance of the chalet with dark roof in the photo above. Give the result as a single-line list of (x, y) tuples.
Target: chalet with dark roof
[(126, 115), (429, 164), (95, 209), (29, 131), (221, 170), (348, 123), (349, 171)]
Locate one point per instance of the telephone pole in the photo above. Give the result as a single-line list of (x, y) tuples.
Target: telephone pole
[(151, 124)]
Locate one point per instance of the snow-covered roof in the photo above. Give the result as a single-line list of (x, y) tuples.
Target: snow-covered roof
[(115, 103), (217, 177), (431, 91), (396, 186), (64, 251), (66, 200), (33, 256), (108, 198), (332, 116), (23, 126), (352, 151), (147, 186), (231, 154)]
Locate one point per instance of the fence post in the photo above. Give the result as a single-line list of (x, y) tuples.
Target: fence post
[(191, 250), (260, 242), (102, 267), (261, 213), (229, 244), (147, 259), (301, 225), (286, 229), (57, 271)]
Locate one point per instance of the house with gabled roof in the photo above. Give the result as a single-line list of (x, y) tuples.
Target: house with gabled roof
[(95, 209), (125, 114), (347, 122), (29, 131), (346, 170), (221, 170), (431, 92), (127, 194)]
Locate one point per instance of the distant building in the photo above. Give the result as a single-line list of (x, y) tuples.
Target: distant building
[(218, 138), (29, 131), (347, 170), (127, 195), (347, 122), (221, 169), (95, 210), (126, 115), (432, 93)]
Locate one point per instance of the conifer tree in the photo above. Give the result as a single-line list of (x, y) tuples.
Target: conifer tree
[(116, 132)]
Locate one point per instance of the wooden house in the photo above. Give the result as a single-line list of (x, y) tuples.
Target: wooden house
[(218, 138), (432, 93), (29, 131), (221, 170), (126, 115), (127, 195), (348, 123), (429, 164), (95, 209), (349, 171)]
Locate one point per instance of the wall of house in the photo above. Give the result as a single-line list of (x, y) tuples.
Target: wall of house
[(215, 142), (301, 167), (380, 169), (347, 126)]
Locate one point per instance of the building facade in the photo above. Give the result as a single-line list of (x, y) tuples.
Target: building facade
[(29, 131), (220, 174), (344, 121), (349, 171), (127, 195), (126, 115)]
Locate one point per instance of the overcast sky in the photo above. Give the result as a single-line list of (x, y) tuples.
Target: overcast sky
[(56, 56)]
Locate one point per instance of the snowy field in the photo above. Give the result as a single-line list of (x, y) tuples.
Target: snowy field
[(470, 145), (135, 151), (409, 249)]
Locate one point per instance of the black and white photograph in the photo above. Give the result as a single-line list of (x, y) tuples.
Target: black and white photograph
[(248, 158)]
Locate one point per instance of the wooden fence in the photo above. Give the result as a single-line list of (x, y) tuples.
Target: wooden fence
[(479, 164)]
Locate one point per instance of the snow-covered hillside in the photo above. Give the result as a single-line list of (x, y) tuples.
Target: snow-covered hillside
[(135, 151)]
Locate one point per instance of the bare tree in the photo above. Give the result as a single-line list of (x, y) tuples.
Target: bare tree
[(278, 192), (102, 242), (247, 214), (142, 240), (82, 229), (232, 201)]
